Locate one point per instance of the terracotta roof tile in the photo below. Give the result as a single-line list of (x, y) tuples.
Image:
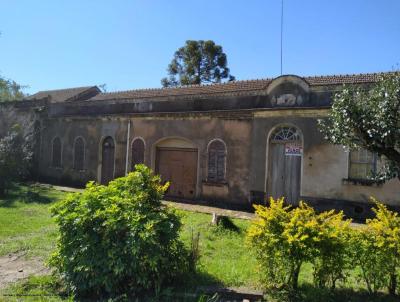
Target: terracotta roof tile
[(344, 79), (60, 95), (190, 90), (232, 88)]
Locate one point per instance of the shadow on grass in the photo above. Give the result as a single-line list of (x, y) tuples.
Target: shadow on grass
[(190, 287), (185, 288), (227, 223), (25, 193), (310, 293)]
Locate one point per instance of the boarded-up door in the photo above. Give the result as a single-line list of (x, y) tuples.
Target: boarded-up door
[(179, 167), (107, 164), (284, 169)]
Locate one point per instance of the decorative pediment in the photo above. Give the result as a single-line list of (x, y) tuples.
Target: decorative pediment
[(288, 91)]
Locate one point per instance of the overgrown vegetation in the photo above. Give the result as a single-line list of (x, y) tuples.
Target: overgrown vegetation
[(17, 139), (285, 239), (15, 157), (26, 226), (118, 239)]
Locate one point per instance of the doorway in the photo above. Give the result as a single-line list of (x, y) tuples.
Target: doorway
[(285, 151)]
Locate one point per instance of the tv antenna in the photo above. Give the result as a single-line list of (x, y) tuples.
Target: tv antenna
[(282, 37)]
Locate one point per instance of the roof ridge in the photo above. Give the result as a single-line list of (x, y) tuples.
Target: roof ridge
[(309, 77), (186, 86), (348, 75), (63, 89)]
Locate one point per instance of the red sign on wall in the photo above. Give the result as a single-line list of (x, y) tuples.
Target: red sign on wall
[(293, 149)]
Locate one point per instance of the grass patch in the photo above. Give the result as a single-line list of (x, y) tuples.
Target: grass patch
[(25, 221), (224, 257), (36, 288)]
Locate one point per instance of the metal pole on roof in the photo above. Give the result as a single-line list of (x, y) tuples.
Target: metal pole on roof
[(282, 38)]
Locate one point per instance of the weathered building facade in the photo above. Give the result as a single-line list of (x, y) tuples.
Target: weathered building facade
[(233, 143)]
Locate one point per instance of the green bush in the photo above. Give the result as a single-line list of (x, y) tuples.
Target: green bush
[(333, 260), (377, 250), (118, 239), (285, 238)]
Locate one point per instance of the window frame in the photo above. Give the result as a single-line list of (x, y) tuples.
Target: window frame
[(144, 150), (52, 153), (84, 154), (225, 155), (373, 163)]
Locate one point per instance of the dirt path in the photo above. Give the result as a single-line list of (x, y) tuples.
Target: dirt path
[(15, 267), (184, 206)]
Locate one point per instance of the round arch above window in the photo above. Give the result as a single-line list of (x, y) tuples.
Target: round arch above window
[(286, 133)]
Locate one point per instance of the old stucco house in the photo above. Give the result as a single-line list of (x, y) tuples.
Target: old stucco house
[(233, 143)]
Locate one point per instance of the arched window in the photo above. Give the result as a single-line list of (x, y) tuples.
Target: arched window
[(56, 152), (286, 134), (79, 154), (107, 160), (216, 161), (137, 152)]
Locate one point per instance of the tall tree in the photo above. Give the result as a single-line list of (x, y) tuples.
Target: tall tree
[(198, 62), (10, 90), (369, 118)]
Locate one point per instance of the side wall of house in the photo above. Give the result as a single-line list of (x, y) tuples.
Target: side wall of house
[(325, 168), (200, 130), (93, 131)]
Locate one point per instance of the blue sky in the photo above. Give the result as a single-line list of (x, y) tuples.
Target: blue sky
[(51, 44)]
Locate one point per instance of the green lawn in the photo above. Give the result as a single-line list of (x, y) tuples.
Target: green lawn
[(25, 222), (26, 226)]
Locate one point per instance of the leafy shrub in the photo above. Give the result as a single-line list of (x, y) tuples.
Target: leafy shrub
[(285, 238), (270, 245), (333, 258), (119, 238), (377, 250), (15, 157)]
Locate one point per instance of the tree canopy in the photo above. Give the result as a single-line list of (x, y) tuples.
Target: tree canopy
[(198, 62), (369, 118), (10, 90)]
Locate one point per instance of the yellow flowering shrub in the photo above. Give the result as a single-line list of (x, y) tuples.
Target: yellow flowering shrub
[(377, 249), (333, 260), (284, 238), (266, 236)]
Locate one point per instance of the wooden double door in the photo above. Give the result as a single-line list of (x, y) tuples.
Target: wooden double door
[(179, 167), (284, 173)]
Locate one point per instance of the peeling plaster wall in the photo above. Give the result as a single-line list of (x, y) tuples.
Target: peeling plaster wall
[(93, 131), (326, 166), (199, 131)]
